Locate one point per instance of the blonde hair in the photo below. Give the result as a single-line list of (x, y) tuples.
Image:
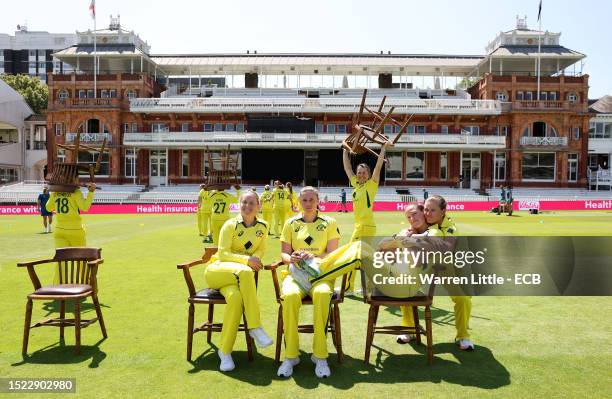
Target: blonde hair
[(309, 189), (249, 192)]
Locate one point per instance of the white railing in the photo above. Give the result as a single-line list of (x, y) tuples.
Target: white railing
[(544, 141), (313, 139), (303, 104), (90, 137)]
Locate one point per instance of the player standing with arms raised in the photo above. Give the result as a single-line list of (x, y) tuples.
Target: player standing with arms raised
[(365, 187)]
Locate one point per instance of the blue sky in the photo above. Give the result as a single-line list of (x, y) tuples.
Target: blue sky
[(434, 27)]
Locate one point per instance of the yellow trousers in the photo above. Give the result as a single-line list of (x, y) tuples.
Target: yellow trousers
[(215, 229), (463, 309), (267, 216), (203, 223), (280, 215), (343, 260), (361, 230), (67, 238), (236, 282)]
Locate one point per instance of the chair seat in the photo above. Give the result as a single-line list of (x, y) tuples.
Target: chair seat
[(208, 293), (63, 289), (379, 297)]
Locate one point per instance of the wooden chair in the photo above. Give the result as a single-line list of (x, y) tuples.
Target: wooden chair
[(375, 299), (333, 327), (77, 270), (210, 297)]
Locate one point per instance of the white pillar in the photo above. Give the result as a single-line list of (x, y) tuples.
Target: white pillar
[(461, 168), (494, 166), (32, 136)]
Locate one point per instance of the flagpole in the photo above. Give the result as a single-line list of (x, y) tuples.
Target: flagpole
[(95, 57), (539, 48)]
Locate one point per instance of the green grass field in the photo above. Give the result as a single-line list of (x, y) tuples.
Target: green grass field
[(526, 346)]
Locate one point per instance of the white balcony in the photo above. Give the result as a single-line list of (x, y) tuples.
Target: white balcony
[(544, 141), (11, 154), (304, 140), (600, 146), (313, 105)]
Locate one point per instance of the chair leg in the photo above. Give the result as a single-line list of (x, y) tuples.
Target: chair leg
[(338, 333), (77, 326), (429, 335), (62, 316), (190, 330), (369, 334), (415, 317), (211, 314), (279, 334), (26, 327), (99, 314), (249, 340)]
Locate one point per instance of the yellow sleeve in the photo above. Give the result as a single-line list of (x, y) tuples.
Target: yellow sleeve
[(332, 230), (286, 234), (225, 244), (51, 203), (83, 203), (260, 252), (353, 181)]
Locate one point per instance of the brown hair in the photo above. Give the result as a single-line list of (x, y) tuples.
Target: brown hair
[(366, 166), (439, 199), (418, 206)]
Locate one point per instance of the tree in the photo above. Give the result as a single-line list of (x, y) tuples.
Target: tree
[(467, 82), (33, 91)]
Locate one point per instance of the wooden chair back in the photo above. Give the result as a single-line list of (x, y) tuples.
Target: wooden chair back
[(75, 266)]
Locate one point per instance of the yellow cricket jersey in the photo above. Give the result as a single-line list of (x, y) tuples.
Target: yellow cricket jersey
[(237, 242), (363, 201), (279, 198), (288, 199), (220, 204), (312, 237), (67, 207), (204, 197), (445, 229), (266, 200)]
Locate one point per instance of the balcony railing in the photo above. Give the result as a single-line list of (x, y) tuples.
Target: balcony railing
[(36, 145), (336, 105), (544, 141), (90, 137), (319, 140), (88, 103)]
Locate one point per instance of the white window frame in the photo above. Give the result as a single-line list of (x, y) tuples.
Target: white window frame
[(572, 158), (541, 180), (130, 159)]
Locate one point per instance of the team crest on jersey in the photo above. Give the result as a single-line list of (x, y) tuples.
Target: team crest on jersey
[(259, 233), (321, 227)]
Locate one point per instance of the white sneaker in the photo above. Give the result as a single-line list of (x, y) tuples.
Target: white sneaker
[(321, 367), (465, 345), (404, 339), (227, 363), (261, 338), (286, 368)]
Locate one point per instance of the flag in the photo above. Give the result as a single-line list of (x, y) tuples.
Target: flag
[(539, 10), (92, 9)]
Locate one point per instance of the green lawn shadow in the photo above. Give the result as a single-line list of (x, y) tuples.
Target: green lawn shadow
[(60, 353)]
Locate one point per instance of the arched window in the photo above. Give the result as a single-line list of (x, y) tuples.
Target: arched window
[(63, 94)]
